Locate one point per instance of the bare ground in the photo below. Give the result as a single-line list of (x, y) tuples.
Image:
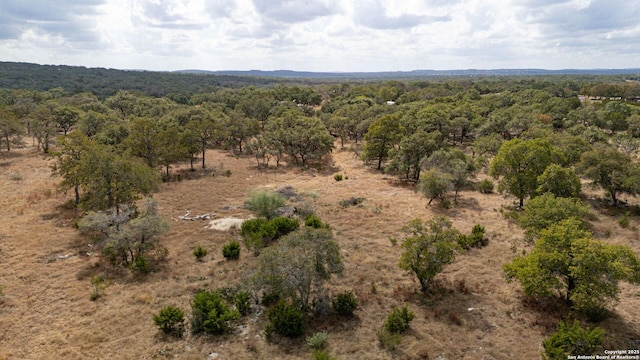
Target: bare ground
[(472, 313)]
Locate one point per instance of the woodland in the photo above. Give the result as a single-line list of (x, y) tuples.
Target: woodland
[(160, 215)]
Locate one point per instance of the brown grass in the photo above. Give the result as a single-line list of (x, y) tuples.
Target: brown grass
[(472, 313)]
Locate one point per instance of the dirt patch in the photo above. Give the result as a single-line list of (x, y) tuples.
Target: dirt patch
[(225, 224)]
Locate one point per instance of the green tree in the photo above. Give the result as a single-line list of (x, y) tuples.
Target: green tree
[(43, 125), (144, 140), (611, 170), (173, 149), (567, 260), (66, 117), (454, 163), (520, 162), (560, 181), (302, 138), (239, 128), (11, 130), (69, 154), (411, 151), (382, 136), (205, 129), (111, 180), (547, 209), (571, 340), (435, 184), (299, 264), (427, 248)]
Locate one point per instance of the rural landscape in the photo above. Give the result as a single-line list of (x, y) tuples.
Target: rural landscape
[(182, 215)]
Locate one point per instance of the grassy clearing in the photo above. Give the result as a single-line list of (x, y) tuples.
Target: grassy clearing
[(45, 272)]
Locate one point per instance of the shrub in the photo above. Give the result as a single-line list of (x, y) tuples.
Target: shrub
[(318, 340), (345, 303), (141, 265), (98, 282), (572, 340), (259, 233), (283, 226), (313, 221), (352, 201), (199, 252), (475, 239), (243, 302), (388, 340), (337, 177), (398, 320), (265, 204), (285, 320), (231, 251), (170, 320), (485, 186), (624, 220), (212, 314)]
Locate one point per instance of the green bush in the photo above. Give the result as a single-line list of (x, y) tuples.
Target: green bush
[(345, 303), (337, 177), (212, 314), (243, 302), (624, 221), (285, 320), (265, 203), (398, 320), (199, 252), (259, 233), (572, 340), (231, 251), (283, 226), (388, 340), (141, 265), (475, 239), (313, 221), (170, 320), (485, 186), (318, 340)]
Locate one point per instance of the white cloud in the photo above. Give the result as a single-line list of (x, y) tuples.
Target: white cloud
[(322, 35)]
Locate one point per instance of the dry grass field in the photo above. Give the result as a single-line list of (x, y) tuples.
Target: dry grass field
[(473, 313)]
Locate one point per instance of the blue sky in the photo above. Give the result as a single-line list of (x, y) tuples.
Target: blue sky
[(322, 35)]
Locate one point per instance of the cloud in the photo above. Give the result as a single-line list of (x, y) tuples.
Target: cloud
[(65, 18), (221, 8), (291, 11), (374, 15), (165, 14)]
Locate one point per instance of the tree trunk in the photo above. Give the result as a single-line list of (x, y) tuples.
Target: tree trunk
[(203, 151), (571, 285), (424, 285), (77, 191)]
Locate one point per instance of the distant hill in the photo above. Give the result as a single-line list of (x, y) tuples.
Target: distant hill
[(105, 82), (415, 73)]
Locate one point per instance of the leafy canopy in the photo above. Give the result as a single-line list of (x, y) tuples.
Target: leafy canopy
[(428, 248)]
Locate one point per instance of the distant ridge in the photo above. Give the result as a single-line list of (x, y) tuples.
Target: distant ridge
[(105, 82), (414, 73)]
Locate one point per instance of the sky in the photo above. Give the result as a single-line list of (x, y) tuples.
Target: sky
[(322, 35)]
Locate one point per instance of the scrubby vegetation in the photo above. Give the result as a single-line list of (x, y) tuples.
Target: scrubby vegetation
[(490, 265)]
